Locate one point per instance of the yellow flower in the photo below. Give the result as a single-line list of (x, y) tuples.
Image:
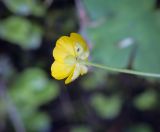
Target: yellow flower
[(69, 54)]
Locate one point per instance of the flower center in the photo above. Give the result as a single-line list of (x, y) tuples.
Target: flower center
[(79, 56), (80, 52)]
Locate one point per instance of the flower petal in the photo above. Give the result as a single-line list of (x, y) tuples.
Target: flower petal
[(74, 75), (84, 69), (64, 47), (77, 71), (69, 79), (78, 39), (61, 70), (59, 54)]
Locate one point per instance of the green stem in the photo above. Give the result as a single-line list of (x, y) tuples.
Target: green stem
[(122, 70)]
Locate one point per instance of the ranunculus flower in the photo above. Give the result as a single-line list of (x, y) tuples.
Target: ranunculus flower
[(69, 54)]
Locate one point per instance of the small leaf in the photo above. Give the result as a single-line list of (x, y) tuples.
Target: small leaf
[(20, 31), (37, 122), (33, 88), (106, 107), (146, 101), (26, 7)]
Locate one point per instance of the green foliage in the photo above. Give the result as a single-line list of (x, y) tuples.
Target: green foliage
[(124, 32), (106, 107), (30, 90), (115, 23), (20, 31), (39, 121), (147, 100), (26, 7), (110, 9)]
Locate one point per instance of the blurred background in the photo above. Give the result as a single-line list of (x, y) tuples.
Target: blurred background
[(121, 34)]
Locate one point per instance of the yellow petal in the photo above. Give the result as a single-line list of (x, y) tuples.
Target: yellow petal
[(64, 47), (74, 74), (61, 70), (69, 79), (79, 39), (59, 54)]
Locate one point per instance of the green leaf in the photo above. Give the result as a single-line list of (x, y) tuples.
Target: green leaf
[(119, 32), (33, 89), (109, 9), (146, 101), (20, 31), (106, 107), (106, 49), (37, 122), (26, 7), (29, 90)]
